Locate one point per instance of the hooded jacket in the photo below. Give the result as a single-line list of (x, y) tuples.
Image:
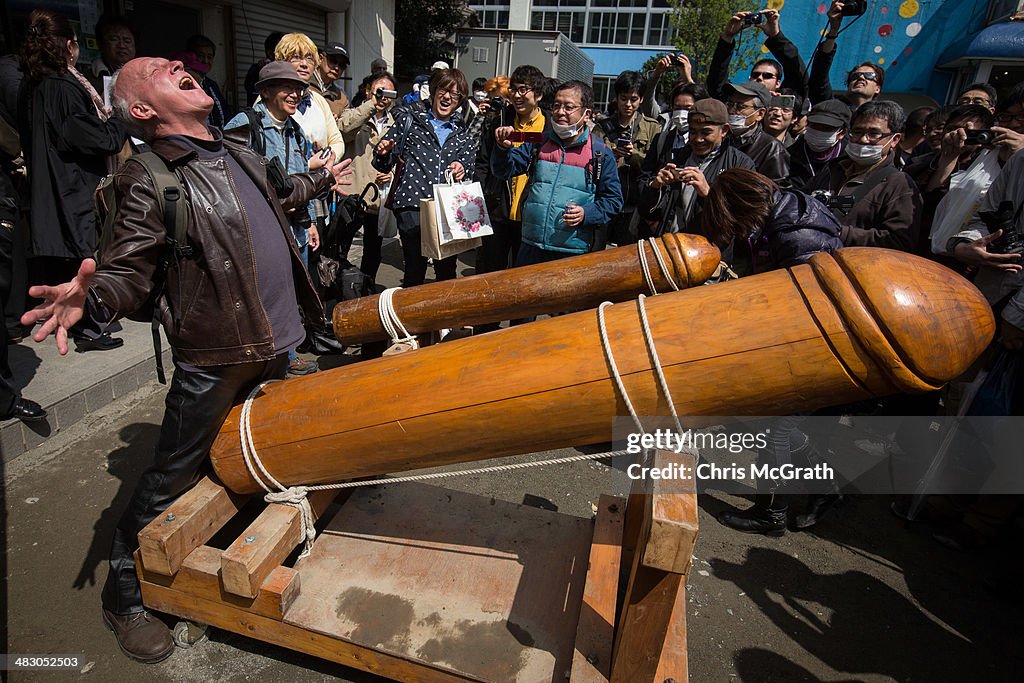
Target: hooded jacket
[(798, 227)]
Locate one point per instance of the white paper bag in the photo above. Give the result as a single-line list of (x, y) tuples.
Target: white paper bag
[(966, 192), (462, 211)]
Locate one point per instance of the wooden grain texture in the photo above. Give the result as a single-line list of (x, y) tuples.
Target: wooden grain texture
[(672, 533), (274, 534), (188, 523), (199, 577), (652, 615), (477, 586), (570, 284), (245, 623), (595, 632), (778, 343)]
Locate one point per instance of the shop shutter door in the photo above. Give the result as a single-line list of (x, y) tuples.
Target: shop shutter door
[(255, 19)]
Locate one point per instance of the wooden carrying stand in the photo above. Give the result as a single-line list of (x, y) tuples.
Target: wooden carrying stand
[(421, 583)]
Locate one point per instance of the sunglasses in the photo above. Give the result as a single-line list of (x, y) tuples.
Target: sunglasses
[(765, 75), (866, 75)]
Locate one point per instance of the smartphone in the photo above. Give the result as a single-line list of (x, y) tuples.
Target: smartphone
[(523, 136), (623, 142), (784, 101), (386, 94)]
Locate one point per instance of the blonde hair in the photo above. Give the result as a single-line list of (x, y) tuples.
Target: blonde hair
[(499, 84), (296, 45)]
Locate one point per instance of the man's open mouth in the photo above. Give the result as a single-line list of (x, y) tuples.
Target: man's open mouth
[(187, 83)]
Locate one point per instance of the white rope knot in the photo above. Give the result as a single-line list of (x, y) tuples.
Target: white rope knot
[(390, 320), (662, 265), (296, 496)]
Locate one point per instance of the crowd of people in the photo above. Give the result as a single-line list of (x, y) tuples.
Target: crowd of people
[(772, 168)]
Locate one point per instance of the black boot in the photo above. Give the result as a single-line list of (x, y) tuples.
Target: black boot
[(767, 516), (817, 505)]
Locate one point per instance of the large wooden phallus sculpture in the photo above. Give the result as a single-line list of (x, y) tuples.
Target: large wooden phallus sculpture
[(866, 322), (571, 284)]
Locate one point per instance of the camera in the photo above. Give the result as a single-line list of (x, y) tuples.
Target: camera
[(755, 19), (1004, 218), (624, 141), (381, 94), (783, 101), (680, 60), (980, 137), (854, 8), (834, 202)]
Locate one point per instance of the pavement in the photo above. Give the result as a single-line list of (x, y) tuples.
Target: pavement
[(861, 597)]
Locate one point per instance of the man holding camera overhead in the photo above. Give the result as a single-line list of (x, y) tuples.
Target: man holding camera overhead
[(864, 81), (768, 72)]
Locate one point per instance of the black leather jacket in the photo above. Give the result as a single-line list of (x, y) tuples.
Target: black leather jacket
[(768, 154), (214, 293)]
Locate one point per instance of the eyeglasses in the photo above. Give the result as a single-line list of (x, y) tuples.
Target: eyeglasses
[(762, 75), (521, 90), (872, 136), (1010, 118), (307, 59), (567, 108), (455, 94), (983, 101), (739, 107), (866, 75)]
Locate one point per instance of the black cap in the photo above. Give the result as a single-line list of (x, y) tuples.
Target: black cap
[(279, 71), (751, 89), (830, 113), (334, 49)]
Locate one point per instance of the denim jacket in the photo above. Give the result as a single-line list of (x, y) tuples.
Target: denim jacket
[(297, 160)]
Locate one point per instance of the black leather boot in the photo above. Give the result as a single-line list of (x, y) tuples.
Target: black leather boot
[(817, 505), (767, 516)]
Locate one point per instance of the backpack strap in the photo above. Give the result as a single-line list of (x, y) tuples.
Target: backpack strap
[(170, 196), (874, 179), (257, 141), (406, 127)]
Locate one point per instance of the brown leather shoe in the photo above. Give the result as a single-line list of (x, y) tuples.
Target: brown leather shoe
[(140, 635)]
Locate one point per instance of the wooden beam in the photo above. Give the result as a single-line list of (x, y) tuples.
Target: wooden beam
[(266, 543), (595, 631), (238, 620), (673, 529), (199, 577), (651, 624), (188, 523)]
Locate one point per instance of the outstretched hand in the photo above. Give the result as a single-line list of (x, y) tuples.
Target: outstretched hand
[(976, 253), (62, 307), (342, 175)]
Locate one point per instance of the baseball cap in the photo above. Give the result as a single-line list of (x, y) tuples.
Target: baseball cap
[(711, 109), (335, 49), (279, 71), (830, 113), (439, 64), (750, 89)]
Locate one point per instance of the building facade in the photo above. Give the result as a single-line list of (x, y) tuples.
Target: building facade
[(929, 48)]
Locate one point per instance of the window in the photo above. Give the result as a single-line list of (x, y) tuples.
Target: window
[(569, 23), (603, 88), (492, 13), (661, 32)]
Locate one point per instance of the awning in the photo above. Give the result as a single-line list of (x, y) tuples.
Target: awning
[(998, 41)]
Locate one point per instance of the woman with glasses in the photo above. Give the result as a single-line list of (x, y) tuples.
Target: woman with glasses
[(314, 112), (69, 141), (363, 127), (426, 140)]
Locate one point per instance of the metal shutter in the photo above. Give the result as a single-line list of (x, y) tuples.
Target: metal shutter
[(255, 19)]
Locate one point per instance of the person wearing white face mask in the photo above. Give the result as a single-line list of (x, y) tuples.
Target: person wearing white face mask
[(822, 142), (748, 103), (881, 206), (573, 188)]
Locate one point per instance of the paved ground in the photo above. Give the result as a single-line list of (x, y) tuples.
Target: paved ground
[(862, 598)]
